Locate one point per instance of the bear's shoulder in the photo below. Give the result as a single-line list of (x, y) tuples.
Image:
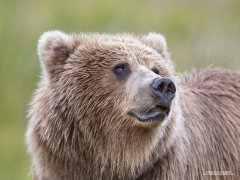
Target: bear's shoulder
[(212, 80)]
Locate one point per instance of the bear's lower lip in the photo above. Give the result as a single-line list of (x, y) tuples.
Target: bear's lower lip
[(157, 113)]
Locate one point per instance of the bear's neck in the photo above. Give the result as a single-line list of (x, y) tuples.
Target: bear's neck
[(135, 153), (124, 155)]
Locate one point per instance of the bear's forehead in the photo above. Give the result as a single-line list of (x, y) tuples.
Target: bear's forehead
[(113, 53), (116, 40), (121, 45)]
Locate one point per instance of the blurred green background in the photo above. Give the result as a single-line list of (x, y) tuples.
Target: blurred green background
[(199, 33)]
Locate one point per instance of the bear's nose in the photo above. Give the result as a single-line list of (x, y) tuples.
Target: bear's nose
[(164, 89)]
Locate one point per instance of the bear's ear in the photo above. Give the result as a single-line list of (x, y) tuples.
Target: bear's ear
[(54, 47), (157, 42)]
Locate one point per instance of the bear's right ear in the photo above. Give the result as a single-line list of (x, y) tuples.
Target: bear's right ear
[(54, 47)]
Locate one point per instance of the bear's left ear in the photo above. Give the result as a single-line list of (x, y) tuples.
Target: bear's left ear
[(157, 42), (54, 47)]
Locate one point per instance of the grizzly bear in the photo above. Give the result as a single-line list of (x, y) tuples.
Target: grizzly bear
[(112, 107)]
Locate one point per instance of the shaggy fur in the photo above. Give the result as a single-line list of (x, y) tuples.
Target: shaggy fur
[(80, 128)]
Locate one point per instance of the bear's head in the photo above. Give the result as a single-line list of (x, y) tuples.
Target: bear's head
[(106, 101)]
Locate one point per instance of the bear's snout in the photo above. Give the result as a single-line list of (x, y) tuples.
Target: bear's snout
[(164, 89)]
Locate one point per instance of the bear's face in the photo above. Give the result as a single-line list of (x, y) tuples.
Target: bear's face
[(113, 88), (110, 74)]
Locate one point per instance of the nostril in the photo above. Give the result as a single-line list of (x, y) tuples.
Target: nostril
[(161, 87), (171, 88)]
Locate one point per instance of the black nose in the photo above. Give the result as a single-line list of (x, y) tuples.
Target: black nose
[(164, 89)]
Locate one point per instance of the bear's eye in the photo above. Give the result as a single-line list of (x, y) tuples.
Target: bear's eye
[(121, 70), (155, 70)]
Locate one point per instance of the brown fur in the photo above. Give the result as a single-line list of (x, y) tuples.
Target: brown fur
[(79, 124)]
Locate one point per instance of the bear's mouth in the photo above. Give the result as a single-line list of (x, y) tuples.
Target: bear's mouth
[(157, 113)]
